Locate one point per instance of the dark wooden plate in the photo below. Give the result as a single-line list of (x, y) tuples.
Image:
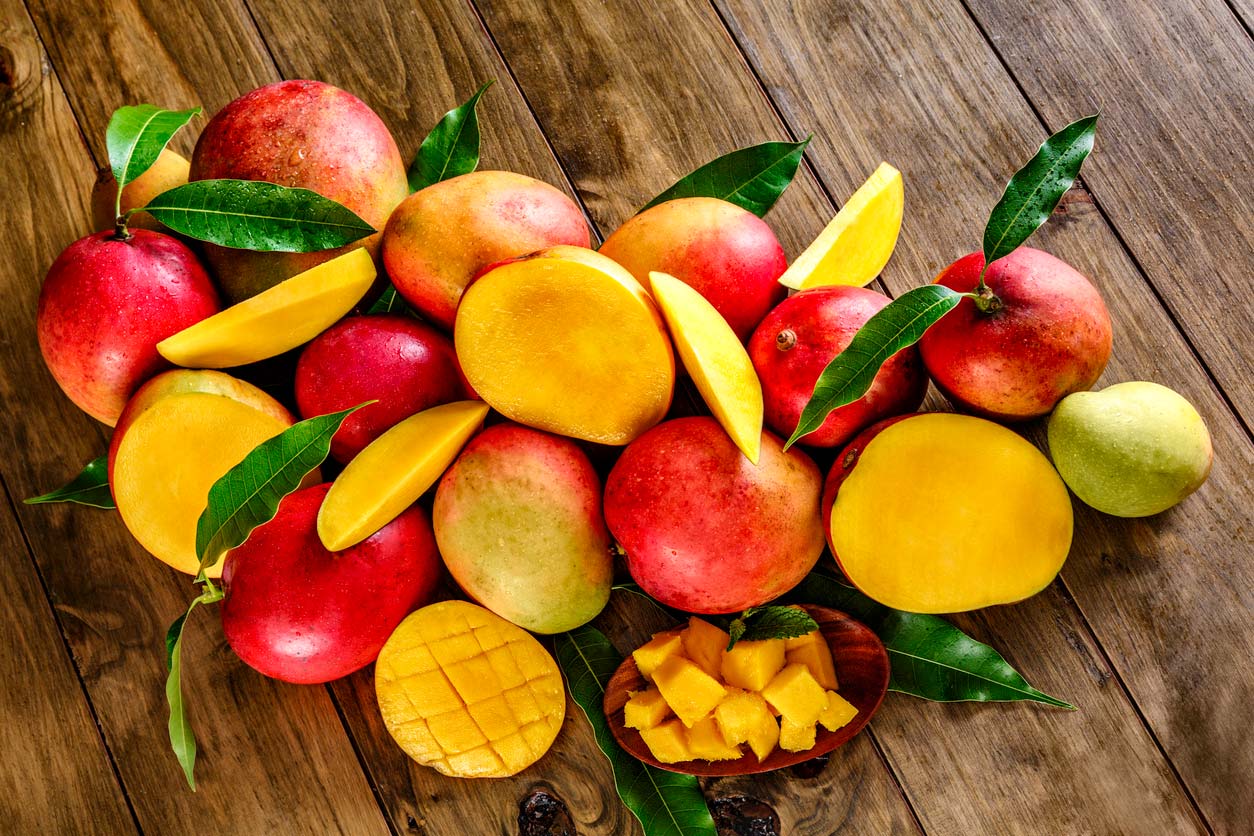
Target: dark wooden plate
[(861, 669)]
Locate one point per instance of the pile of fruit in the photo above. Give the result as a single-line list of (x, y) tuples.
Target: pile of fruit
[(451, 329)]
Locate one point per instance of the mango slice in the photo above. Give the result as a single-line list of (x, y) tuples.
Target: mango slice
[(716, 359), (706, 742), (942, 513), (690, 692), (467, 693), (289, 314), (645, 709), (656, 651), (394, 471), (565, 340), (856, 244), (668, 742), (837, 713), (743, 717), (796, 737), (704, 644), (795, 695), (752, 664), (812, 651)]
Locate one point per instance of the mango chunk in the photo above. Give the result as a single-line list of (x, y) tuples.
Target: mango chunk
[(667, 742), (704, 644), (794, 693), (690, 692), (706, 742), (656, 651), (812, 651), (837, 713), (645, 709), (796, 737), (743, 717), (752, 664)]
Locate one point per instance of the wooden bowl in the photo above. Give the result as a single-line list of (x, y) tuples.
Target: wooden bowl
[(861, 669)]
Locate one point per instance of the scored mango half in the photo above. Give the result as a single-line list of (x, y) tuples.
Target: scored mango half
[(467, 693), (856, 244), (289, 314)]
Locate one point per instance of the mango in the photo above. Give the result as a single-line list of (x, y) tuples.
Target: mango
[(656, 651), (645, 709), (706, 742), (565, 340), (796, 737), (743, 717), (690, 692), (704, 644), (752, 664), (668, 742), (837, 713), (813, 651), (518, 521), (467, 693), (796, 696), (169, 170)]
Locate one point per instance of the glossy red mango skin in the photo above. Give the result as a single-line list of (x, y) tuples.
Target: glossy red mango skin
[(105, 305), (1052, 337), (405, 365), (706, 531), (823, 321), (296, 612)]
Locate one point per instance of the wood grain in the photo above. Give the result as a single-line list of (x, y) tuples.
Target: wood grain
[(1168, 596)]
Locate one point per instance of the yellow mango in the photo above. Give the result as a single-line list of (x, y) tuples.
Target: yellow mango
[(706, 742), (715, 358), (394, 471), (645, 709), (796, 737), (565, 340), (689, 691), (465, 692), (704, 644), (656, 651), (289, 314), (812, 651), (668, 742), (794, 693), (751, 664), (743, 717), (837, 713)]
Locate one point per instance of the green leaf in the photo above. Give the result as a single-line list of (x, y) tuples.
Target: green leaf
[(136, 136), (182, 740), (773, 622), (735, 631), (666, 803), (930, 657), (90, 487), (252, 215), (248, 495), (1035, 189), (897, 325), (452, 147), (390, 302), (753, 178)]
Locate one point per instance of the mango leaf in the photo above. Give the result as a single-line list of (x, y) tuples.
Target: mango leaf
[(753, 178), (772, 622), (897, 325), (666, 803), (252, 215), (930, 658), (1035, 189), (452, 147), (90, 487), (136, 136), (182, 740), (389, 302), (248, 495)]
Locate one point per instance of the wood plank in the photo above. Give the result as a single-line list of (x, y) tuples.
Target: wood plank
[(661, 93), (1175, 168), (1168, 596), (274, 758)]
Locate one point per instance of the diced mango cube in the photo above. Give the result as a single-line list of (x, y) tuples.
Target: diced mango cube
[(667, 742), (750, 665), (743, 717), (645, 709), (796, 695), (706, 742), (812, 651), (838, 712), (656, 651), (796, 737), (689, 691), (704, 644)]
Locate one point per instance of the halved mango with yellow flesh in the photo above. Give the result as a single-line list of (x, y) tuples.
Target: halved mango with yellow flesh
[(716, 359), (940, 513), (467, 693), (289, 314), (565, 340), (854, 247), (394, 471)]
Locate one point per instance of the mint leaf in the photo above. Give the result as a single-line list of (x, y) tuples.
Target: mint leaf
[(136, 136), (452, 147), (773, 622), (753, 178), (90, 487)]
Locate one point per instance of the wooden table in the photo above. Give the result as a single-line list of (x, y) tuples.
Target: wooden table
[(1150, 629)]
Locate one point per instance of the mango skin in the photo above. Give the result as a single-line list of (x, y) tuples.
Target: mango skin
[(518, 521), (304, 134), (704, 530), (170, 170)]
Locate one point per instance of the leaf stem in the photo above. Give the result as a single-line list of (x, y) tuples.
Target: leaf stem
[(120, 231), (986, 301)]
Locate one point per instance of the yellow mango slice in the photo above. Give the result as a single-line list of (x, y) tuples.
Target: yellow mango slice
[(796, 696), (565, 340), (706, 742), (837, 713), (645, 709), (796, 737), (752, 664), (668, 742), (289, 314), (856, 244), (704, 644), (812, 651), (716, 359), (743, 717), (656, 651), (689, 691), (448, 686), (394, 471)]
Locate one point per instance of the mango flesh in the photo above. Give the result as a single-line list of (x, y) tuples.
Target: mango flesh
[(795, 694), (939, 513), (467, 693), (645, 709), (705, 644), (813, 651), (689, 691), (443, 236), (181, 432), (567, 341), (668, 742), (838, 712), (276, 320), (169, 170), (796, 737), (743, 717), (752, 664), (394, 471), (656, 651), (518, 521)]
